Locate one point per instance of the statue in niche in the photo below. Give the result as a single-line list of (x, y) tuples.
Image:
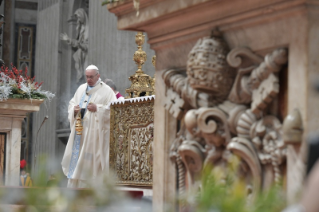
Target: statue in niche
[(80, 43)]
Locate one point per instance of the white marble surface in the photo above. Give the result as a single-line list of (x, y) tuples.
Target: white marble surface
[(13, 151)]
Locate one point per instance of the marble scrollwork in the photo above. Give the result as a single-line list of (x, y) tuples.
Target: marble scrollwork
[(223, 100), (131, 142)]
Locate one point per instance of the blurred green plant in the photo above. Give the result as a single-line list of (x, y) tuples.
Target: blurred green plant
[(108, 2), (44, 198), (222, 191)]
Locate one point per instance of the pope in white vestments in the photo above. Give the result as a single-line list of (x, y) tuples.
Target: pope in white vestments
[(86, 155)]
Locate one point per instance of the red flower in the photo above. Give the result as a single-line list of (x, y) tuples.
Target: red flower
[(15, 70), (23, 163), (11, 75)]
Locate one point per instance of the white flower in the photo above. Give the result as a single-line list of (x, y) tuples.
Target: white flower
[(5, 91)]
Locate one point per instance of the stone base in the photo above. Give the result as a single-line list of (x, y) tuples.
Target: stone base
[(12, 113)]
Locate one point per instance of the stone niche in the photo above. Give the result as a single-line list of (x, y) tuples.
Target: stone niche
[(12, 113), (243, 89)]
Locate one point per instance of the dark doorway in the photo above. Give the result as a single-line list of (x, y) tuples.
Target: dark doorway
[(3, 137)]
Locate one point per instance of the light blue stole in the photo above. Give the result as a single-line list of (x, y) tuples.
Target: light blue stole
[(77, 138)]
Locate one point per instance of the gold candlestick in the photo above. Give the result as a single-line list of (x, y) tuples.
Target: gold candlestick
[(141, 83)]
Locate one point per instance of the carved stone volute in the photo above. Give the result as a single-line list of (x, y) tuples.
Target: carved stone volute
[(209, 124)]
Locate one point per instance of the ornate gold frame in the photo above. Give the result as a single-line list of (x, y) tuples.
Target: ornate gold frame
[(131, 124)]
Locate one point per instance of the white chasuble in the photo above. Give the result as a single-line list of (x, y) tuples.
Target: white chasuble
[(86, 156)]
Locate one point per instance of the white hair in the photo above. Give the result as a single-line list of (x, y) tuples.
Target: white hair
[(92, 67)]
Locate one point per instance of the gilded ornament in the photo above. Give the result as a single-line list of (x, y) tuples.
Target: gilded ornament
[(141, 83), (136, 4), (154, 60), (78, 124), (131, 142)]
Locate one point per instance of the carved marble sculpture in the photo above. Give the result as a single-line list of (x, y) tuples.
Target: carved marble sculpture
[(80, 43), (207, 68), (223, 104)]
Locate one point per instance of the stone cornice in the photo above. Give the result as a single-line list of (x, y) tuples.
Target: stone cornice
[(159, 18), (18, 107)]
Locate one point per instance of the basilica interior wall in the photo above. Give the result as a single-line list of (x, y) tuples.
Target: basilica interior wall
[(46, 70)]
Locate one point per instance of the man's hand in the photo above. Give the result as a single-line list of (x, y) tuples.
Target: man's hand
[(76, 109), (91, 107), (65, 37)]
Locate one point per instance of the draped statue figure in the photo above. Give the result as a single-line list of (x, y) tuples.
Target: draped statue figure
[(80, 43)]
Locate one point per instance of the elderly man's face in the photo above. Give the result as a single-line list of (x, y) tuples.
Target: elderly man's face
[(91, 76)]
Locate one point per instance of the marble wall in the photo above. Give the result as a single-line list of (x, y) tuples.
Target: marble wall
[(8, 32), (47, 70)]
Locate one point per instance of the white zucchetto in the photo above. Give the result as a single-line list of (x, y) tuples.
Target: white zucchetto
[(90, 67)]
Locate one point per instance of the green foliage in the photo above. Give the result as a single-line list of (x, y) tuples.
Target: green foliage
[(105, 2), (18, 94), (33, 95), (222, 191), (271, 200), (42, 198)]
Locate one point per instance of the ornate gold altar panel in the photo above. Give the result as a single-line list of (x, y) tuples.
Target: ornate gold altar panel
[(131, 141)]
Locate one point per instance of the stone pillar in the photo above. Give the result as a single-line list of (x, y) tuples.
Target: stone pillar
[(12, 113), (164, 171), (12, 127), (8, 32)]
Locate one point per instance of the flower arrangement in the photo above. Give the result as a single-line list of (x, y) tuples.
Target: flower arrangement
[(17, 84)]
